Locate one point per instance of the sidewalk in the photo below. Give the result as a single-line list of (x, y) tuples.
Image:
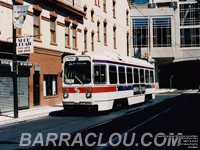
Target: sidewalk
[(164, 90), (28, 114), (35, 113)]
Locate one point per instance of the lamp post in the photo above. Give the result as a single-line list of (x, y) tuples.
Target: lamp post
[(14, 73)]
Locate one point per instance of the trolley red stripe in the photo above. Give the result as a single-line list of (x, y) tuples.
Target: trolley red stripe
[(94, 89)]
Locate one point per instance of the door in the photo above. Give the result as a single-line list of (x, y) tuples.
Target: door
[(36, 93)]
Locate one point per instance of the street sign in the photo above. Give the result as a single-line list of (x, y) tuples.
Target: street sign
[(24, 45)]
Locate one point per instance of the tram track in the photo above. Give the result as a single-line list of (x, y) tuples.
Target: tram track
[(125, 124)]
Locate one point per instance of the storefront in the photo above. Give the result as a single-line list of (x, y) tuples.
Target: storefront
[(6, 85)]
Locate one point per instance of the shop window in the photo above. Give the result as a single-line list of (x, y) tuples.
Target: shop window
[(50, 85)]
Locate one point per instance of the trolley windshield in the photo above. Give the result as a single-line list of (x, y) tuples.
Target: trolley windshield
[(77, 72)]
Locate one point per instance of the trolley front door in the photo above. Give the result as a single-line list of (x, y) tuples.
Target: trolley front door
[(36, 83)]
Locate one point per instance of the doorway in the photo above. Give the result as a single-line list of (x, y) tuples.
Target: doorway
[(36, 89)]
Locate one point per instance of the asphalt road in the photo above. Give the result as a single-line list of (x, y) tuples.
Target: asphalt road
[(166, 114)]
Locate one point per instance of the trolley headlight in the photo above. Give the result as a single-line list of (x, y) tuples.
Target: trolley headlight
[(88, 93), (65, 93)]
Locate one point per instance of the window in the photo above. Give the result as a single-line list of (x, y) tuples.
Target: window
[(77, 72), (104, 5), (36, 24), (190, 37), (129, 75), (85, 10), (114, 37), (136, 75), (92, 15), (127, 43), (67, 34), (92, 40), (74, 36), (162, 32), (127, 17), (53, 30), (99, 3), (140, 32), (105, 33), (151, 77), (99, 74), (18, 32), (147, 76), (114, 8), (122, 77), (113, 74), (85, 39), (190, 14), (98, 31), (50, 85), (139, 2), (141, 75)]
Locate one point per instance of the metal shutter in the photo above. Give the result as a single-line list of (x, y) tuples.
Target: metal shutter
[(6, 93)]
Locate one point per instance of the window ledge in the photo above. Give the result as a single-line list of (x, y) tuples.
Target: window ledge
[(37, 40), (75, 48), (49, 97), (53, 43), (68, 47), (18, 36)]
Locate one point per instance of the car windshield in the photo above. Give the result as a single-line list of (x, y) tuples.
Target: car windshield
[(77, 72)]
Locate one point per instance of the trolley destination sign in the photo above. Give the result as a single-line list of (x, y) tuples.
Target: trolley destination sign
[(24, 45)]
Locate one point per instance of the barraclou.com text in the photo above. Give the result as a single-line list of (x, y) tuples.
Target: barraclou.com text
[(93, 139)]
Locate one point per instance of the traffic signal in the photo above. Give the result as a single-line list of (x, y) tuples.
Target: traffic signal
[(146, 56)]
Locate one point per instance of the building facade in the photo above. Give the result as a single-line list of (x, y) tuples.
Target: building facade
[(58, 28), (168, 31)]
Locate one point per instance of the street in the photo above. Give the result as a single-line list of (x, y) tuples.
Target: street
[(170, 113)]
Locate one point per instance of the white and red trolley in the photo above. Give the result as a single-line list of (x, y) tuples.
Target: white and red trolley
[(102, 80)]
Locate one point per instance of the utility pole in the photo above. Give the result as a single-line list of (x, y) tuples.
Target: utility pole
[(15, 95)]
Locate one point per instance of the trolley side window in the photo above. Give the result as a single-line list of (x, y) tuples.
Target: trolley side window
[(129, 74), (99, 74), (151, 76), (147, 76), (113, 74), (136, 75), (122, 76), (141, 75)]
